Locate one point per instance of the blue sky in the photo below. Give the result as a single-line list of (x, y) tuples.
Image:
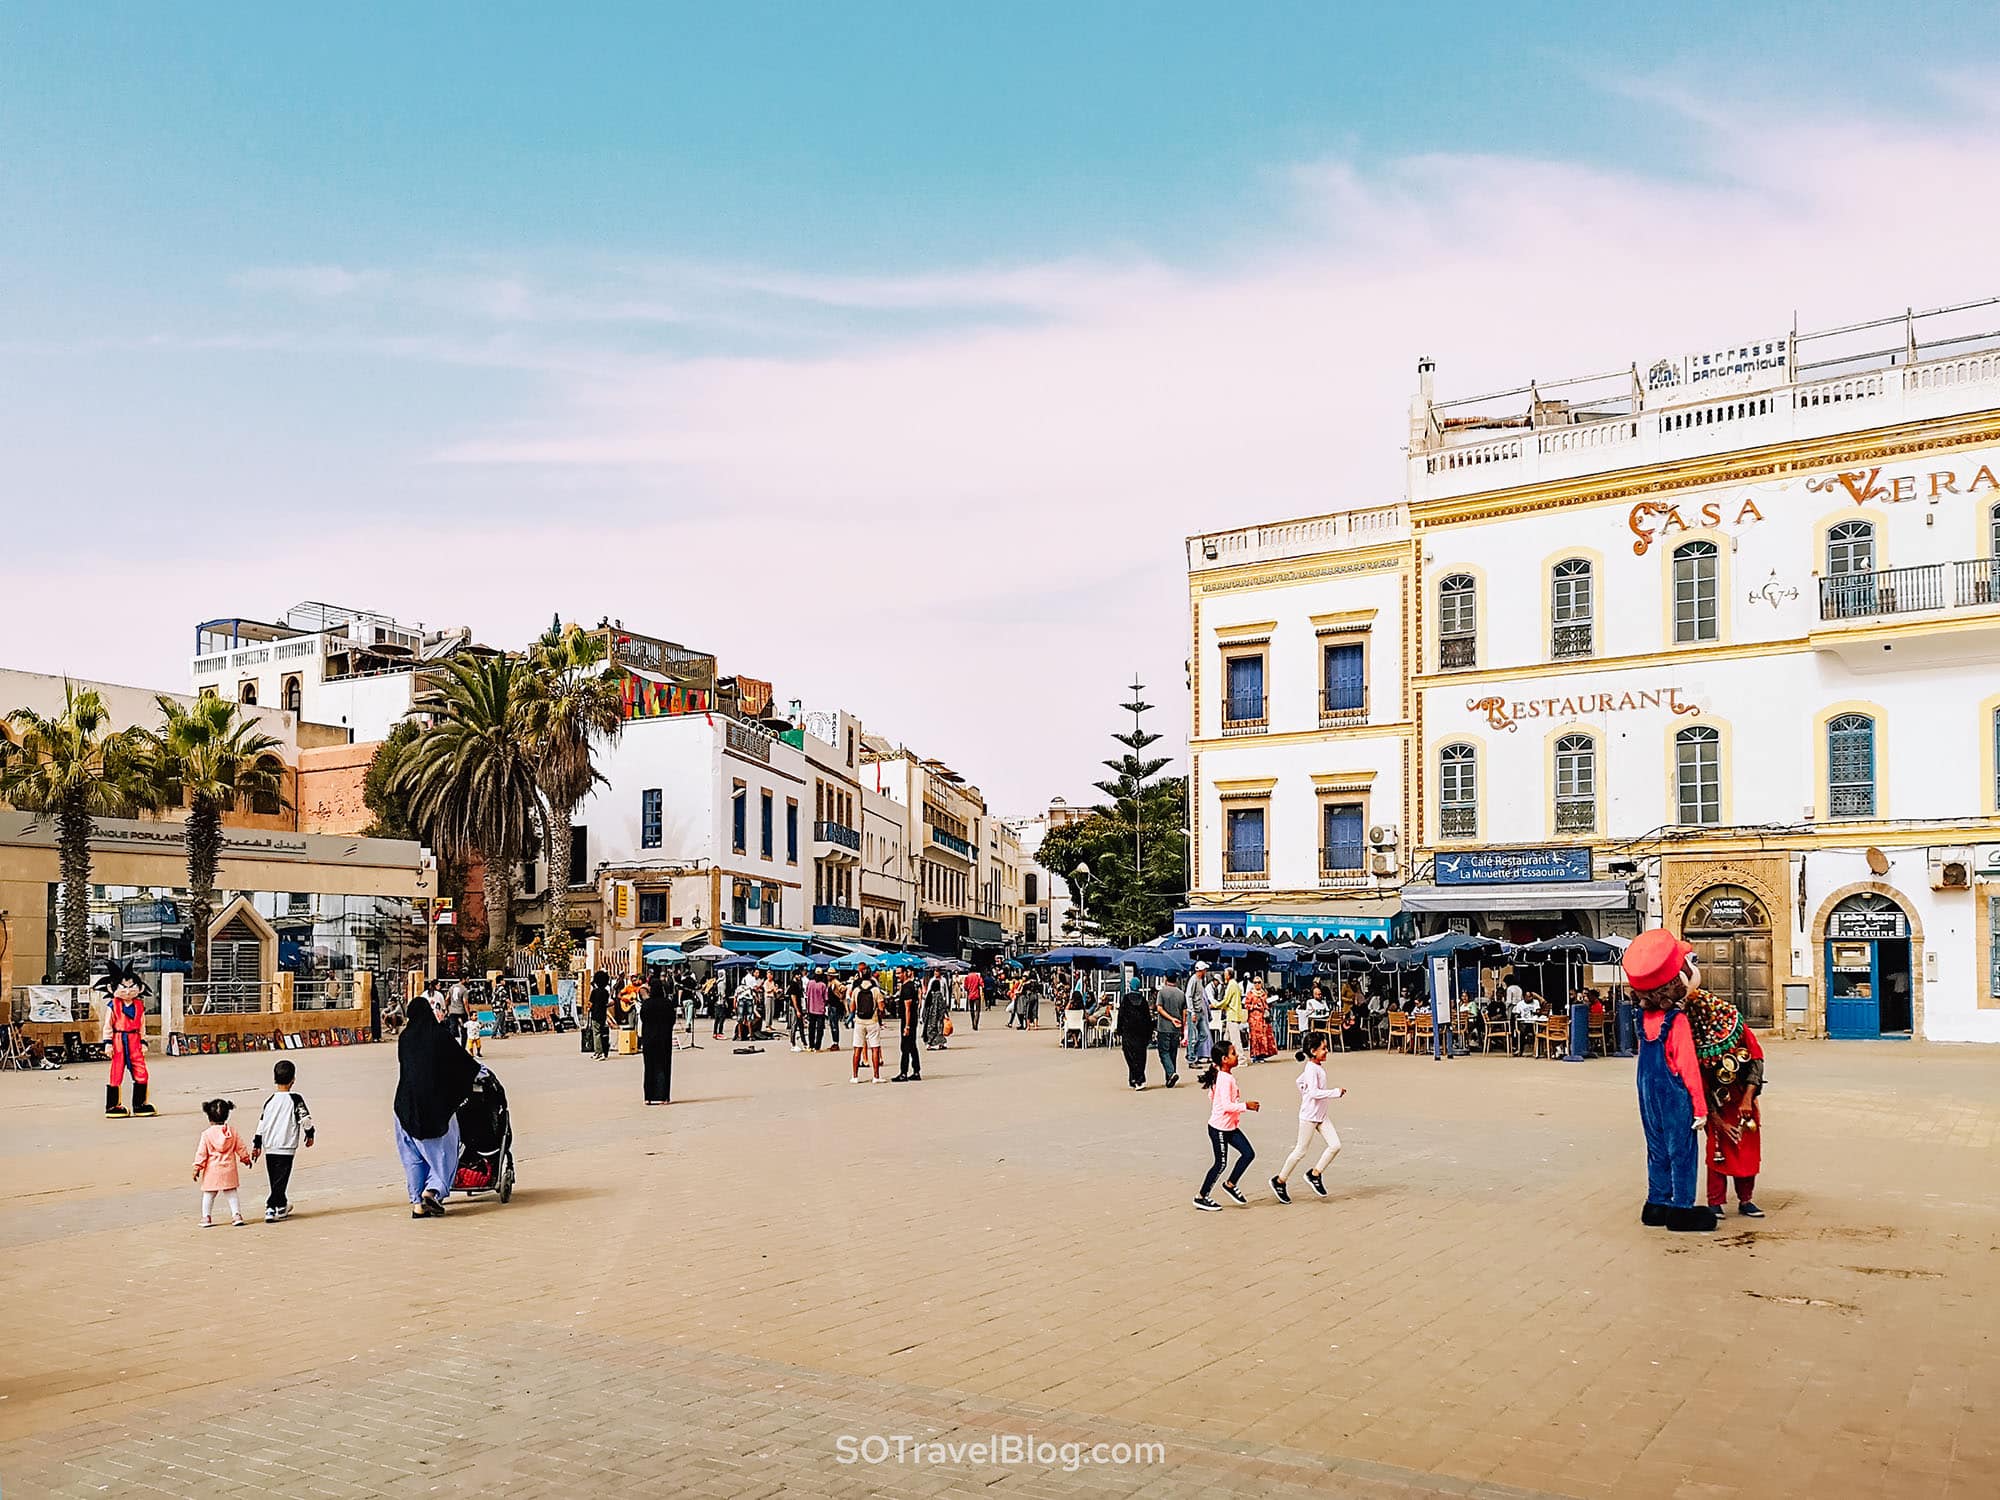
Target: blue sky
[(471, 312)]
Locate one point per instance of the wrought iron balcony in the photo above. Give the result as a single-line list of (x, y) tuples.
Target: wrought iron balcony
[(1887, 591), (1335, 712), (1458, 822), (1573, 640), (952, 841), (836, 916), (837, 833), (1245, 867), (1576, 815), (1245, 715), (1457, 651), (1344, 864), (1978, 582)]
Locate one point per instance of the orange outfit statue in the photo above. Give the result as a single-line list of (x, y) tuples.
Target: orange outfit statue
[(125, 1038)]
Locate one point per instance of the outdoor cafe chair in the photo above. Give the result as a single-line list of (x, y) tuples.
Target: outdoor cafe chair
[(1399, 1030), (1498, 1033), (1422, 1030), (1552, 1038)]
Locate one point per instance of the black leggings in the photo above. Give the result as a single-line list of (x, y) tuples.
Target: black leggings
[(1219, 1141)]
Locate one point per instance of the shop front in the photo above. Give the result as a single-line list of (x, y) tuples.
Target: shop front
[(1523, 895), (1869, 981)]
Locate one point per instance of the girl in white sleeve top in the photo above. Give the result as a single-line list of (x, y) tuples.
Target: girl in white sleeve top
[(1313, 1096)]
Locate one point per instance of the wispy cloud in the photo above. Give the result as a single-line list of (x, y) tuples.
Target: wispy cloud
[(970, 461)]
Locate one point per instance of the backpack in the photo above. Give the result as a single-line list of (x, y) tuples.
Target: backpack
[(864, 1001)]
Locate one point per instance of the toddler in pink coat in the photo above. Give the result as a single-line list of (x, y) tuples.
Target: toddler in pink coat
[(216, 1158)]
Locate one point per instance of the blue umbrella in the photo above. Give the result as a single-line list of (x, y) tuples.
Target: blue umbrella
[(785, 958), (1158, 961), (1573, 945), (902, 961)]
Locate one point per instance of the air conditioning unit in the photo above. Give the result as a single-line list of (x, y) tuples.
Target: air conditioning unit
[(1382, 864), (1383, 835), (1951, 869)]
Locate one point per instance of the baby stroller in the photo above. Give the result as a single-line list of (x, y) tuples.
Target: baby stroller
[(485, 1141)]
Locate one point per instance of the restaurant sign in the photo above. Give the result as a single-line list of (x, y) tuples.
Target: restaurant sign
[(1505, 713), (1303, 925), (1513, 866)]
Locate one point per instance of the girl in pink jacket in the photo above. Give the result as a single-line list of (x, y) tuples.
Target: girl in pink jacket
[(216, 1158), (1225, 1117)]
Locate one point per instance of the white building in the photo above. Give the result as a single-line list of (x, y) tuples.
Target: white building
[(353, 670), (1050, 915), (944, 836), (1713, 645), (888, 868)]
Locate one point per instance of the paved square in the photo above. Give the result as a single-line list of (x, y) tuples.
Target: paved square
[(704, 1300)]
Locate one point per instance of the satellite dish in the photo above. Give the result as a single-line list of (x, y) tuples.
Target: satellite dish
[(1878, 862)]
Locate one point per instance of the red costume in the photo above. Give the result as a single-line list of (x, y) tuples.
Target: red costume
[(1732, 1070), (125, 1038)]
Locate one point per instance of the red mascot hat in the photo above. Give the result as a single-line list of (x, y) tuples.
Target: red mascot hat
[(1653, 958)]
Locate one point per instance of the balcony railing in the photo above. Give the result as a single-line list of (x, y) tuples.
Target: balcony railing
[(1567, 641), (1457, 651), (1458, 822), (1345, 864), (1245, 715), (951, 841), (1334, 712), (1977, 582), (1887, 591), (836, 916), (1576, 815), (837, 833), (1248, 867)]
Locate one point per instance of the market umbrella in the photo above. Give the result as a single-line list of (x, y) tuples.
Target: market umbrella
[(1573, 945), (902, 961), (737, 961), (708, 950), (1088, 958), (1158, 961), (786, 958)]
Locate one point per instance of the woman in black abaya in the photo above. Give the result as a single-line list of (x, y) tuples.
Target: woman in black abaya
[(656, 1038)]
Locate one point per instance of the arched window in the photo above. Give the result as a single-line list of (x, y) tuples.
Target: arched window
[(1576, 784), (1572, 608), (1458, 621), (1850, 548), (1697, 592), (246, 692), (1698, 775), (1458, 792), (1850, 766), (294, 693)]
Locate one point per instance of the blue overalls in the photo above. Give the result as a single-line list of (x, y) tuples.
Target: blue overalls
[(1673, 1151)]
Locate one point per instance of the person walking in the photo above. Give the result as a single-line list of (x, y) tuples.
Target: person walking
[(1234, 1017), (600, 1014), (1225, 1126), (657, 1014), (937, 1008), (910, 1013), (285, 1124), (816, 1011), (434, 1077), (836, 1008), (1257, 1010), (1313, 1097), (975, 995), (795, 1010), (867, 999), (217, 1155), (971, 1010), (1201, 999), (1135, 1030), (1170, 1008)]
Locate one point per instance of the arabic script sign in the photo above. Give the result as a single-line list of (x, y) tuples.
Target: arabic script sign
[(1503, 713), (1513, 866)]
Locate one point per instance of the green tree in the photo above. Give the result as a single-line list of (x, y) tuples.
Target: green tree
[(1134, 844), (572, 705), (72, 767), (388, 803), (208, 757), (470, 779)]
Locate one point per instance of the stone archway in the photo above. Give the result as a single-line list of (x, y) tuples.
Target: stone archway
[(1699, 880), (1823, 915)]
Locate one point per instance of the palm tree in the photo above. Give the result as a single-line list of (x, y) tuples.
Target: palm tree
[(72, 767), (573, 704), (210, 758), (470, 776)]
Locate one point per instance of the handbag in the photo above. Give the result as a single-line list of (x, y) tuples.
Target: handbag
[(947, 1025)]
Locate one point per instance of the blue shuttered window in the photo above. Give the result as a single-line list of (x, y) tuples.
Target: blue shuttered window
[(1246, 689), (1346, 678), (1342, 843), (792, 832), (765, 825), (649, 818), (1850, 766), (1246, 841), (739, 820)]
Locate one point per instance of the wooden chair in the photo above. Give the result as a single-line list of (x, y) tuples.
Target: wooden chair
[(1499, 1032), (1461, 1034), (1552, 1038), (1399, 1030), (1600, 1035), (1422, 1032)]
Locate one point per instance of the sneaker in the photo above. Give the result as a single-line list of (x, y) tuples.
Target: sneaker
[(1234, 1192), (1173, 1080), (1750, 1210), (1208, 1205), (1317, 1186), (855, 1079), (270, 1216), (285, 1211), (1278, 1187), (900, 1078), (207, 1223), (236, 1223)]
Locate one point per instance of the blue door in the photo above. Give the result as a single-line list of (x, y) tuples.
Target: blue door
[(1853, 989)]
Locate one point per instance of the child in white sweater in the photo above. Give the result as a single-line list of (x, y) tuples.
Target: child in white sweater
[(1313, 1096), (285, 1125)]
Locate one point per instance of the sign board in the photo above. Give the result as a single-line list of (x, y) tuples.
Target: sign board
[(1868, 922), (446, 915), (1513, 866), (148, 914), (51, 1002), (1743, 367), (1304, 925), (1726, 911)]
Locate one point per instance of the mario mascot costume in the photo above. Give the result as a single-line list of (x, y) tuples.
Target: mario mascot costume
[(1673, 1107), (125, 1038)]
